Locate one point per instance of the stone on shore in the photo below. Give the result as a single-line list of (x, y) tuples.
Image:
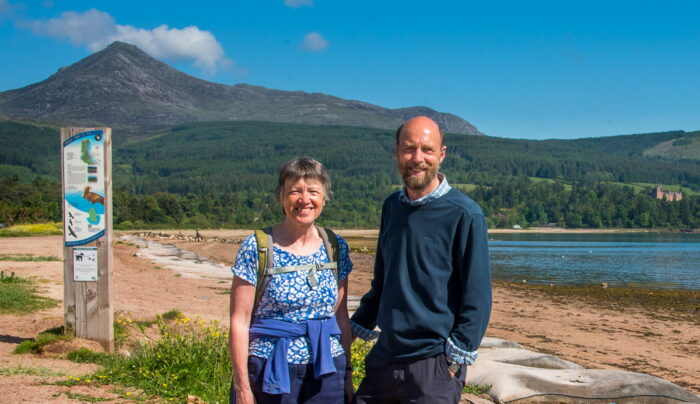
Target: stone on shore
[(521, 384), (524, 357), (492, 342)]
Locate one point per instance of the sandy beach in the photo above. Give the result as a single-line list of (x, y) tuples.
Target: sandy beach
[(591, 333)]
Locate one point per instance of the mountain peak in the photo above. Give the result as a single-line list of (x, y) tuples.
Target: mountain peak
[(121, 85)]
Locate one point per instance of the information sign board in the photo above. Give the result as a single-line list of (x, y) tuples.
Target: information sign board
[(84, 188), (85, 264)]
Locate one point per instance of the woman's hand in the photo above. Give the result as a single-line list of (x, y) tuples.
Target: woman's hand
[(349, 389), (242, 296), (245, 397)]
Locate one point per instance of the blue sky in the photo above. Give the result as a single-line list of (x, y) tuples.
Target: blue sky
[(517, 69)]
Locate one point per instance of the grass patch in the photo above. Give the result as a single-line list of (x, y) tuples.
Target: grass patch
[(85, 398), (18, 296), (36, 345), (27, 257), (29, 370), (358, 352), (185, 357), (84, 355), (476, 389), (31, 230), (123, 325)]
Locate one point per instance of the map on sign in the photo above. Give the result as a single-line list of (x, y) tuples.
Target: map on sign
[(84, 188)]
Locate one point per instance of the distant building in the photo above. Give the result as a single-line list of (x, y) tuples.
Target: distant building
[(671, 196)]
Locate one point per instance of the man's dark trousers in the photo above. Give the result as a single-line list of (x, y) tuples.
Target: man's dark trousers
[(423, 381)]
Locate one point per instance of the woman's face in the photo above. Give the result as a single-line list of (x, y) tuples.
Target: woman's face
[(302, 200)]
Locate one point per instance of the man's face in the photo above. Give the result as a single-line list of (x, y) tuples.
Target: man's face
[(419, 153)]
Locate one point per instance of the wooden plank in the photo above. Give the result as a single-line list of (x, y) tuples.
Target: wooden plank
[(88, 306), (69, 292)]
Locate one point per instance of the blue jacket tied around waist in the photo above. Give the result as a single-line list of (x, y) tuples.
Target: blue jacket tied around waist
[(276, 373)]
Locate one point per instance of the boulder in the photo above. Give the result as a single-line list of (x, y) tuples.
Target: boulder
[(492, 342), (521, 384), (524, 357)]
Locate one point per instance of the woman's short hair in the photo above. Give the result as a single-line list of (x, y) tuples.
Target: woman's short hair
[(304, 167)]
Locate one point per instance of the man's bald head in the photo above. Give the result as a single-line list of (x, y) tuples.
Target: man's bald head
[(423, 124)]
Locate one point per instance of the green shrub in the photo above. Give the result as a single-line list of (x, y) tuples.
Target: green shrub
[(187, 357), (359, 351), (29, 230), (36, 345), (84, 355), (18, 296), (477, 389)]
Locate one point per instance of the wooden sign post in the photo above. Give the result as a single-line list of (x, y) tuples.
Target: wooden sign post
[(86, 157)]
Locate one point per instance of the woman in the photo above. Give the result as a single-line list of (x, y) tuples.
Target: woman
[(314, 369)]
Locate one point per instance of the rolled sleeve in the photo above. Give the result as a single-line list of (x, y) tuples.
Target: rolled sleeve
[(459, 355), (363, 333)]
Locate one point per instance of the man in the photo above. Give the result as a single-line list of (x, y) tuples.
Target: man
[(431, 292)]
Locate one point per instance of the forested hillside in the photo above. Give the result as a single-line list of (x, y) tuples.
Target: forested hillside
[(223, 174)]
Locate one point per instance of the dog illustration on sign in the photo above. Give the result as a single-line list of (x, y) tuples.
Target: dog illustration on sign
[(93, 197)]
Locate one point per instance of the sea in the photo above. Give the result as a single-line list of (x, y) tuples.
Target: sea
[(646, 260)]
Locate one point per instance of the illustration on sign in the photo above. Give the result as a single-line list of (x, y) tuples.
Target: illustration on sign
[(84, 188), (85, 264)]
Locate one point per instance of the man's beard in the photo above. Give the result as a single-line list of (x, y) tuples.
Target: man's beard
[(419, 183)]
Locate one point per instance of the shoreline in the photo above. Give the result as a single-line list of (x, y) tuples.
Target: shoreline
[(375, 232), (590, 231)]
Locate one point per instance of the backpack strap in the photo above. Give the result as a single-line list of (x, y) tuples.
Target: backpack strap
[(330, 241), (335, 246), (263, 238)]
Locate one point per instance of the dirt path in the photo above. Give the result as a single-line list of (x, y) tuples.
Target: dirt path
[(593, 337), (141, 290)]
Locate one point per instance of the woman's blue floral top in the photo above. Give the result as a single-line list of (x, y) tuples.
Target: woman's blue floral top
[(290, 297)]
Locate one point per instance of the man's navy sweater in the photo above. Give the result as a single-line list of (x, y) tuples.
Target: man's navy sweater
[(432, 278)]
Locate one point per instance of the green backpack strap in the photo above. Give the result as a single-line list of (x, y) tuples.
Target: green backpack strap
[(330, 241), (263, 238)]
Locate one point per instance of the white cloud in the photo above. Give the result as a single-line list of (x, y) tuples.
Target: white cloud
[(314, 42), (189, 43), (298, 3), (96, 29), (79, 28)]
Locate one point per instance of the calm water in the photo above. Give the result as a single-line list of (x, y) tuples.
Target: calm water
[(652, 260)]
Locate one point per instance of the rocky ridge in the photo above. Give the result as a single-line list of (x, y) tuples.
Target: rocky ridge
[(123, 86)]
